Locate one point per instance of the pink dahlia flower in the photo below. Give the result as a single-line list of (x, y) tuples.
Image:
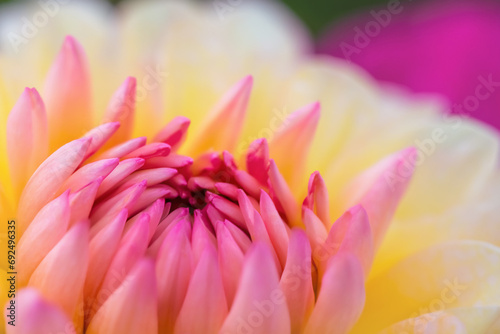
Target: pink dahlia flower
[(189, 199), (446, 47)]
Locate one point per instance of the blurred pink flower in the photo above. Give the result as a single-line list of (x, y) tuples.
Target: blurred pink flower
[(449, 47)]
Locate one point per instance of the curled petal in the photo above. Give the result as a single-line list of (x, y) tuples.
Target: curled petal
[(81, 202), (258, 160), (380, 188), (174, 133), (120, 315), (296, 281), (102, 249), (341, 298), (27, 138), (124, 169), (88, 173), (282, 193), (317, 198), (131, 249), (67, 95), (48, 178), (204, 308), (224, 123), (296, 134), (230, 261), (173, 269), (123, 149), (259, 305), (37, 315), (121, 109), (44, 232), (63, 284)]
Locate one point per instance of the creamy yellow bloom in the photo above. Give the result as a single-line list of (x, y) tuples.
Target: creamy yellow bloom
[(442, 250)]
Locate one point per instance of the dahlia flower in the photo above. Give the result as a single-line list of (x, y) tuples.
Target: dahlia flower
[(187, 198), (446, 47)]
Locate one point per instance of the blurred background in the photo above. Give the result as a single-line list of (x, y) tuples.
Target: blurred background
[(445, 47), (316, 14)]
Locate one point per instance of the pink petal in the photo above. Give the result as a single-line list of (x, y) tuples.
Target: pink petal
[(81, 202), (352, 233), (296, 281), (282, 192), (197, 183), (123, 149), (204, 308), (131, 249), (124, 169), (173, 269), (150, 151), (239, 236), (227, 208), (44, 232), (67, 95), (296, 135), (179, 213), (151, 176), (317, 198), (223, 125), (227, 189), (230, 261), (248, 183), (316, 231), (341, 298), (102, 249), (48, 178), (380, 188), (88, 173), (121, 109), (100, 136), (259, 305), (201, 237), (63, 284), (125, 199), (150, 195), (275, 226), (255, 225), (36, 315), (154, 211), (258, 160), (27, 138), (172, 160), (174, 133), (120, 315)]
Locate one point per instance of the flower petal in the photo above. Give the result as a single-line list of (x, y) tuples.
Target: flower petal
[(230, 261), (173, 269), (102, 249), (27, 138), (259, 305), (297, 134), (119, 315), (63, 284), (296, 281), (48, 178), (121, 109), (204, 308), (221, 130), (37, 315), (341, 298), (380, 188), (448, 275), (44, 232), (67, 95)]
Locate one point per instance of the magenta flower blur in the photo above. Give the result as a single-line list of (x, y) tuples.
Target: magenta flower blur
[(450, 47)]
